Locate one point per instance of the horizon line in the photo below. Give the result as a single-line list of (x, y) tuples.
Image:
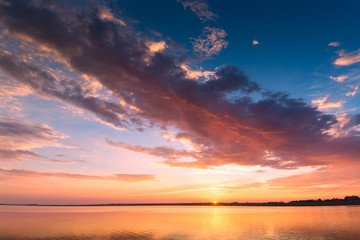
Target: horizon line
[(352, 199)]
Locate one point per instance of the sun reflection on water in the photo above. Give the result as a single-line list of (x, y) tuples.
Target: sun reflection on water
[(179, 223)]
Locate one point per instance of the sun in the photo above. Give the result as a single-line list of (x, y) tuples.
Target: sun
[(214, 202)]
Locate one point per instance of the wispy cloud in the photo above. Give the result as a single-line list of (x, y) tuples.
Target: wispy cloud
[(106, 15), (339, 78), (18, 137), (200, 8), (114, 177), (10, 155), (356, 88), (163, 152), (65, 161), (212, 41), (9, 93), (255, 42), (323, 103), (334, 44), (322, 180), (347, 58)]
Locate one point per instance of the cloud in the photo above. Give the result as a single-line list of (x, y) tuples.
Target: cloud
[(323, 103), (339, 78), (18, 137), (106, 15), (197, 74), (163, 152), (10, 155), (67, 90), (212, 41), (200, 8), (356, 88), (156, 46), (334, 44), (65, 161), (255, 42), (349, 58), (9, 93), (322, 180), (218, 116), (114, 177)]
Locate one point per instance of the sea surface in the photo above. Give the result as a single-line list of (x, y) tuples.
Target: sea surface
[(179, 223)]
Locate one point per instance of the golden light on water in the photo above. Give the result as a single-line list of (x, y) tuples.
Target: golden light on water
[(167, 222)]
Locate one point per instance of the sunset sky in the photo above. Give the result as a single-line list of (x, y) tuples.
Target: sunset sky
[(135, 101)]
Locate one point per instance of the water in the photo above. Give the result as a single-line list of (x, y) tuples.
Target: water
[(179, 223)]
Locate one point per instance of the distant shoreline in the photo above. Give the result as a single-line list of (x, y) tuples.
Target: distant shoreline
[(347, 201)]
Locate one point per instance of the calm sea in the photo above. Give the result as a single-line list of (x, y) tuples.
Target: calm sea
[(179, 223)]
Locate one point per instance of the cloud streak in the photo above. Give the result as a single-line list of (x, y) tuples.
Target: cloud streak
[(114, 177), (10, 155), (18, 137)]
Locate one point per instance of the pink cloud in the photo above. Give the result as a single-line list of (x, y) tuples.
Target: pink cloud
[(356, 88), (339, 78), (106, 15), (339, 177), (334, 44), (114, 177), (18, 137), (349, 58)]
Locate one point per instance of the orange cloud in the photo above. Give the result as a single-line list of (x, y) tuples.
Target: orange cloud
[(156, 46), (346, 59), (339, 78), (323, 103), (106, 15)]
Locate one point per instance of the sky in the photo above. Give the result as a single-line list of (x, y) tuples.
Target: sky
[(178, 101)]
